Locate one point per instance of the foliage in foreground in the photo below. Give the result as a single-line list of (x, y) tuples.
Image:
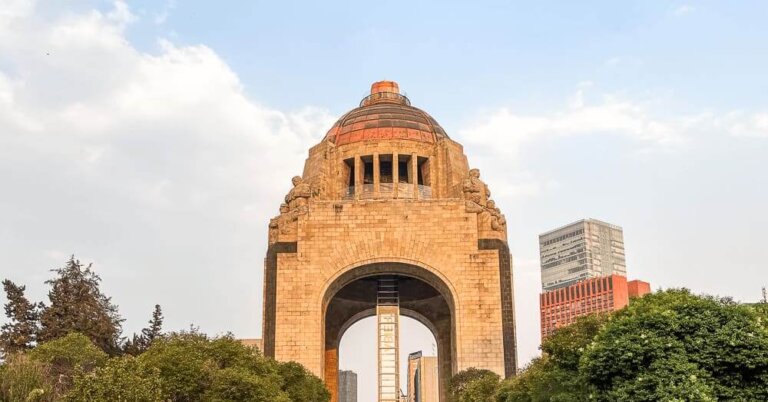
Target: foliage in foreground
[(121, 379), (71, 350), (667, 346), (473, 385), (185, 366)]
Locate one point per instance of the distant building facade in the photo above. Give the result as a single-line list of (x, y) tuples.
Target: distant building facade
[(583, 271), (254, 343), (422, 378), (584, 249), (347, 386), (561, 307)]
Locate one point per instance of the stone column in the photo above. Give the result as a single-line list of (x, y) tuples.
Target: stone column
[(432, 175), (395, 174), (358, 176), (376, 175), (332, 373), (415, 175)]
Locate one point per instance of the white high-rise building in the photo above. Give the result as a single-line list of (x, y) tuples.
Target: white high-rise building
[(581, 250)]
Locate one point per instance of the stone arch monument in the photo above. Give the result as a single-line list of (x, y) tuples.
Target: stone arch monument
[(387, 194)]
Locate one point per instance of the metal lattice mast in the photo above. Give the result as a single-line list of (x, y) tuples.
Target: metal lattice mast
[(388, 314)]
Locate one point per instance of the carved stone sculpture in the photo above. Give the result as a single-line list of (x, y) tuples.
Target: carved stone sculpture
[(274, 230), (287, 220), (299, 194), (475, 191), (498, 221)]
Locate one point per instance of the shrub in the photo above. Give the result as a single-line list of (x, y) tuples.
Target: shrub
[(25, 380), (121, 379)]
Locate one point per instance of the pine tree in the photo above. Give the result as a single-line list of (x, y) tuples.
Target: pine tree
[(19, 334), (135, 346), (155, 328), (138, 344), (77, 305)]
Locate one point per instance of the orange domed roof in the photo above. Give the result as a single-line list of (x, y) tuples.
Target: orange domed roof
[(385, 114)]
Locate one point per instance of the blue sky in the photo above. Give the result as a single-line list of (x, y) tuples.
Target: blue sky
[(144, 135)]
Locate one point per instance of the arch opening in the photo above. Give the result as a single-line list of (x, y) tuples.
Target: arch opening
[(357, 353), (424, 298)]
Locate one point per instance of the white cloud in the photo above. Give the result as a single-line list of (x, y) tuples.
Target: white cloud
[(610, 116), (13, 9), (740, 124), (684, 9), (163, 15), (140, 161), (503, 134)]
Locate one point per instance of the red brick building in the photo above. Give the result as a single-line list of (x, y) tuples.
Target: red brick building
[(561, 307)]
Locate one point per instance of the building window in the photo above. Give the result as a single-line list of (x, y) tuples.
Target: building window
[(385, 168), (349, 168), (403, 169), (423, 176)]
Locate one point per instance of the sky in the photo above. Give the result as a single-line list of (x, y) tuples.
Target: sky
[(155, 139)]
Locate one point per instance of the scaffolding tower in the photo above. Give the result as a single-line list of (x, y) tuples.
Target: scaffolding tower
[(388, 318)]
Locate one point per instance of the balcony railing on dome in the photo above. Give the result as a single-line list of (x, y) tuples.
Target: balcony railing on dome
[(348, 193), (425, 192), (381, 97), (387, 190), (404, 190), (367, 192)]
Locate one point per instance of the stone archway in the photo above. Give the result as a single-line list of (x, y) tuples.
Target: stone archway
[(423, 297)]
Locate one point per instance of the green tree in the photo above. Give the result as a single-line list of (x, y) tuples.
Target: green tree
[(77, 305), (673, 345), (134, 346), (473, 385), (555, 376), (25, 380), (193, 367), (122, 379), (155, 329), (65, 354), (301, 385), (19, 334), (240, 384), (184, 364), (138, 344)]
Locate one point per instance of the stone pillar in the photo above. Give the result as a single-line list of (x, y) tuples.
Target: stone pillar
[(445, 365), (415, 175), (395, 174), (358, 176), (376, 175), (332, 373), (432, 175)]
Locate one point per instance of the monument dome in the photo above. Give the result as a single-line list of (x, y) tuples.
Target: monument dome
[(382, 115)]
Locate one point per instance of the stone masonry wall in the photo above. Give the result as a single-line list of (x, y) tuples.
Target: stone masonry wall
[(437, 235)]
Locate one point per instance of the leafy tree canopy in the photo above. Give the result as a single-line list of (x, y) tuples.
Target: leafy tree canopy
[(194, 367), (667, 346), (685, 345), (25, 380), (121, 379), (473, 385), (300, 385), (67, 353)]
